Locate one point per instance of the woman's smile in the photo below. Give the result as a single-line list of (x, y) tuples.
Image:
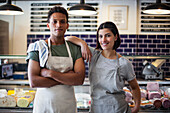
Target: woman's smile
[(106, 39)]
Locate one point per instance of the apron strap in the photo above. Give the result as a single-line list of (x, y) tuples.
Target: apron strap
[(68, 49), (118, 67), (49, 45)]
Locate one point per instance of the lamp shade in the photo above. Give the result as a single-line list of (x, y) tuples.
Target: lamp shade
[(9, 9), (82, 9), (157, 8)]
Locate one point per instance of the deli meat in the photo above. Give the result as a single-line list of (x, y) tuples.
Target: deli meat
[(167, 93), (152, 86), (165, 102), (154, 94), (128, 95), (157, 103), (143, 93)]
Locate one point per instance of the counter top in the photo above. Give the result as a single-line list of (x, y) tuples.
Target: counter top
[(127, 56), (29, 110), (86, 82), (13, 82)]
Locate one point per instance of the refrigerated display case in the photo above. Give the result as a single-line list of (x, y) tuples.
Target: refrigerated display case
[(83, 105)]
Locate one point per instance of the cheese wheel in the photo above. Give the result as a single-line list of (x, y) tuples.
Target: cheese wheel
[(30, 96), (3, 91), (7, 101), (23, 102), (11, 92)]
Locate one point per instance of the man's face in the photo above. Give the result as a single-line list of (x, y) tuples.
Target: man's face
[(58, 24)]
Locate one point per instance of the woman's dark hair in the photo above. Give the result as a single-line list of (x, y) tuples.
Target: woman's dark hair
[(57, 9), (112, 27)]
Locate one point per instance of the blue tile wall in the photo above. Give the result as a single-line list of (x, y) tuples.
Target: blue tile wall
[(131, 44)]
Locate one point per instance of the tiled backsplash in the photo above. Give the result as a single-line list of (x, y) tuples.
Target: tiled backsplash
[(142, 45)]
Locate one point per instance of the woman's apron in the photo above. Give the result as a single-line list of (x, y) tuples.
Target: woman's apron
[(59, 98), (107, 86)]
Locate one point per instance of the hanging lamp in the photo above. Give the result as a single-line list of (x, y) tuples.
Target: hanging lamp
[(10, 9), (82, 9), (157, 8)]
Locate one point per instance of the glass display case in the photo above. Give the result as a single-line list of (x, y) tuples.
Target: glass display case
[(82, 92)]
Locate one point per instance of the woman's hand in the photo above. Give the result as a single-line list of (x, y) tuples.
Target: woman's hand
[(86, 53), (135, 110), (136, 95)]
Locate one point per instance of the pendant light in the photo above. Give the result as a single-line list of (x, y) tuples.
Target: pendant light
[(10, 9), (82, 9), (157, 8)]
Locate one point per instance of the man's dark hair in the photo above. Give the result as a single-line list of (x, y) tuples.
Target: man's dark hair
[(57, 9)]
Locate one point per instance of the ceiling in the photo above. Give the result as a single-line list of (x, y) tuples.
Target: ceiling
[(3, 1)]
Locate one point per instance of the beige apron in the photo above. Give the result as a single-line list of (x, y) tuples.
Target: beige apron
[(59, 98)]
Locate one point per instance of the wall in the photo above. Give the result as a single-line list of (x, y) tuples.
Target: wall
[(132, 42), (131, 45), (132, 13), (4, 37), (19, 25), (18, 29)]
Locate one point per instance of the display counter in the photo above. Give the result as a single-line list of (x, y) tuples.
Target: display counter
[(29, 110), (86, 82), (85, 88), (10, 84)]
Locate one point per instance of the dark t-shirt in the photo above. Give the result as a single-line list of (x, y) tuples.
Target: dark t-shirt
[(59, 50)]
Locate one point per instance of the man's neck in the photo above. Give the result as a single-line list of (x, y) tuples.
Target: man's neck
[(57, 40)]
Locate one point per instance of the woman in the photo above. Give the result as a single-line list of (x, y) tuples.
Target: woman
[(108, 72)]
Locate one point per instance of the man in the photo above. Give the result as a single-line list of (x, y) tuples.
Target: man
[(54, 66)]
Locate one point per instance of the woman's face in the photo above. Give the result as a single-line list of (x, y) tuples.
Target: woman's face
[(106, 39)]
